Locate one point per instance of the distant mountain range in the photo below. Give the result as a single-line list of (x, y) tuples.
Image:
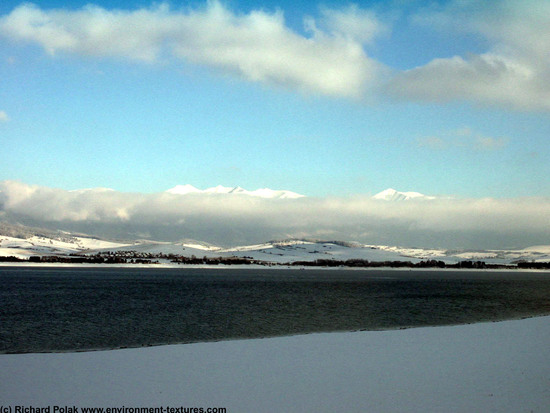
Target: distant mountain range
[(261, 193), (391, 194)]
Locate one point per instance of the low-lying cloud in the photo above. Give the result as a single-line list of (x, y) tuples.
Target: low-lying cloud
[(232, 219)]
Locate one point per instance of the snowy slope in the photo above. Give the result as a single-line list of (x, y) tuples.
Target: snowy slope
[(293, 250), (183, 190), (262, 192), (483, 367), (391, 194), (40, 245), (300, 250)]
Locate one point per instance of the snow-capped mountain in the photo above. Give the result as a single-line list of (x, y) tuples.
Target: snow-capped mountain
[(183, 190), (391, 194), (261, 193)]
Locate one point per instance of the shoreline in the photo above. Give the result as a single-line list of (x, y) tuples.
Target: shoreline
[(361, 330), (256, 267), (490, 366)]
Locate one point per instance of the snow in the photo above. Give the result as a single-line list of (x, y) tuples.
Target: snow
[(477, 255), (418, 253), (22, 253), (95, 243), (270, 193), (499, 366), (391, 194), (541, 249), (274, 251), (261, 193), (183, 189), (200, 247), (38, 245), (219, 189)]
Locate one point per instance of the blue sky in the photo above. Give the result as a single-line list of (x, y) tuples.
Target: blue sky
[(97, 111)]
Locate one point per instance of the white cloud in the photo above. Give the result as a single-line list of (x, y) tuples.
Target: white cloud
[(452, 223), (4, 117), (354, 23), (514, 73), (91, 31), (257, 46), (519, 26), (486, 79)]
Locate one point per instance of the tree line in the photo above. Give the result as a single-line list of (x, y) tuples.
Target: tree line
[(150, 258)]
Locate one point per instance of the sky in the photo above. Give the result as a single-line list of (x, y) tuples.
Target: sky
[(332, 100)]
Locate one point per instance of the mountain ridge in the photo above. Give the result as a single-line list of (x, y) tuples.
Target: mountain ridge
[(391, 194), (237, 190)]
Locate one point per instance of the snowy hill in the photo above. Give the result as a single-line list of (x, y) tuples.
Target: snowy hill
[(40, 245), (287, 251), (23, 242), (261, 193), (391, 194)]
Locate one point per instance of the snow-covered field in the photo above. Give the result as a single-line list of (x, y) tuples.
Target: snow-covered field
[(37, 245), (485, 367), (61, 243), (278, 252)]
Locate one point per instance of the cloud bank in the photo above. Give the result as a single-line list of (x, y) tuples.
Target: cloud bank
[(329, 59), (233, 219)]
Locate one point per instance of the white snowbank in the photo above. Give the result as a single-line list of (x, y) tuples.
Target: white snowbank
[(500, 367)]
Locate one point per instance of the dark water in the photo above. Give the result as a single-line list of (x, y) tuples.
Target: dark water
[(57, 309)]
